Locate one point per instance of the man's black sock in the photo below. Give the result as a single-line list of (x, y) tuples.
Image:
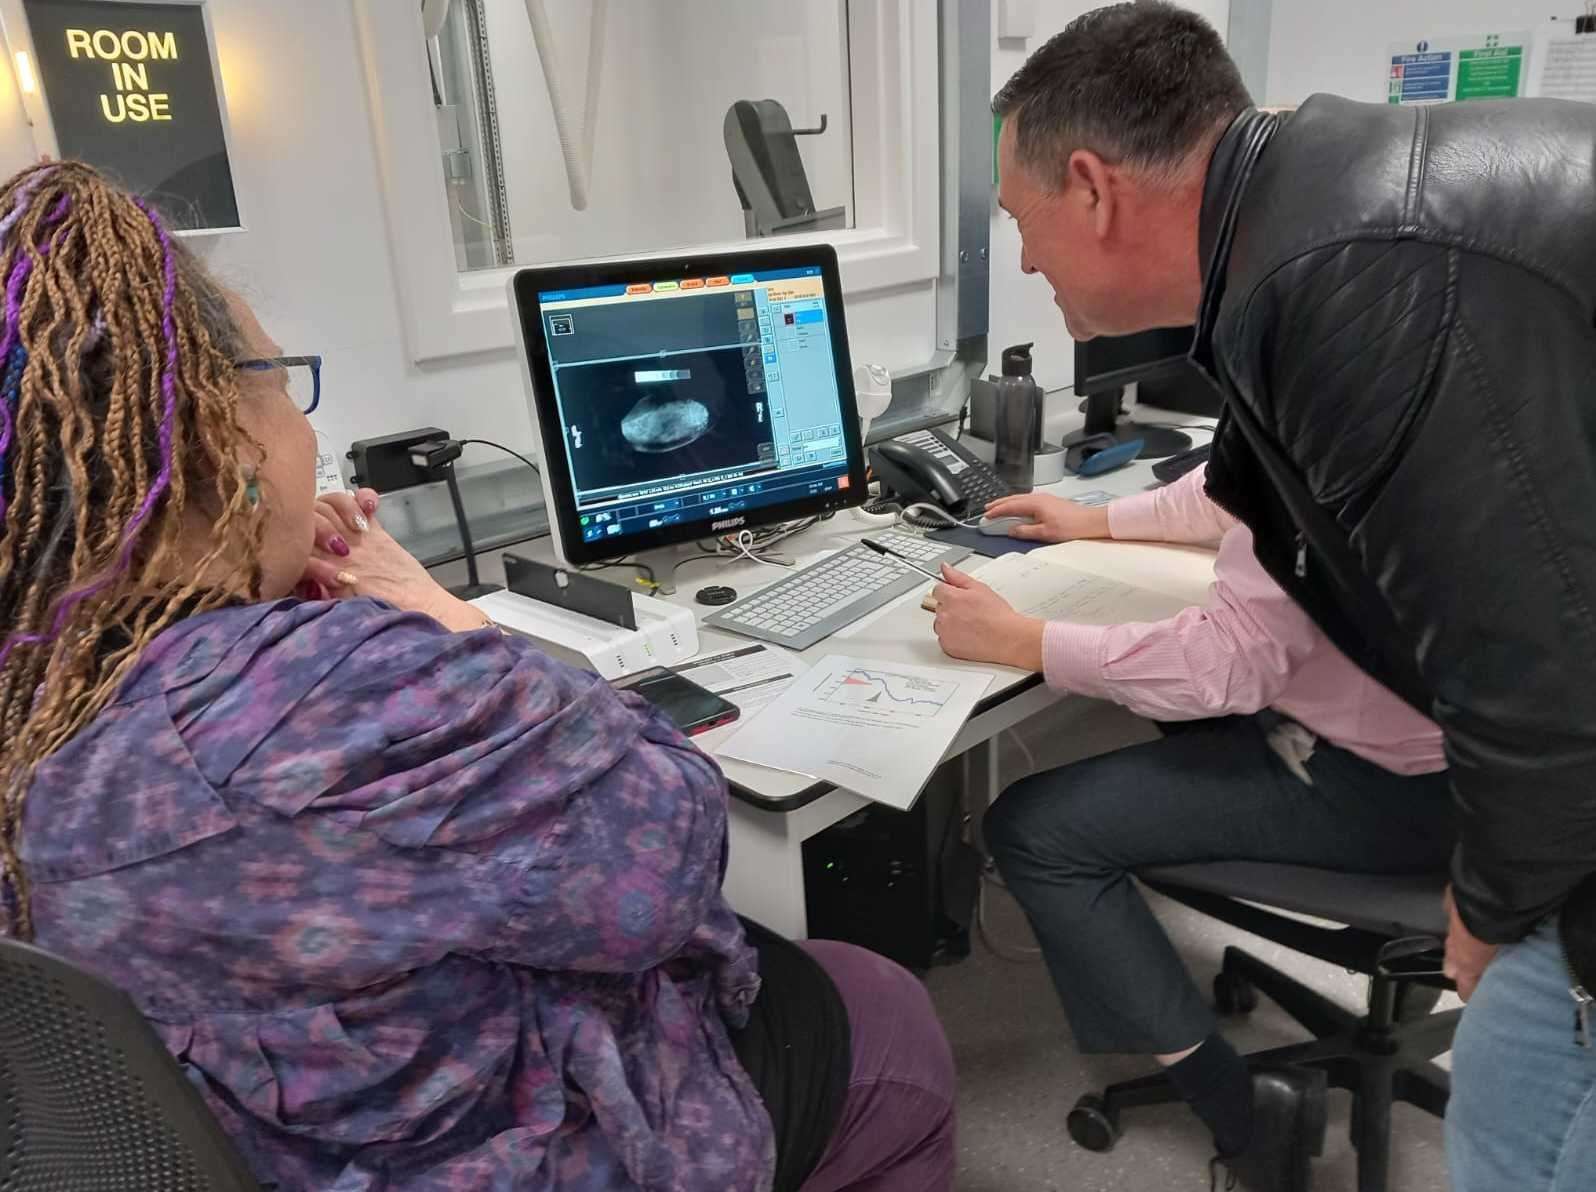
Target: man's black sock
[(1215, 1082)]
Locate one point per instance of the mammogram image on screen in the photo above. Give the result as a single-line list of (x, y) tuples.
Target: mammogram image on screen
[(646, 419)]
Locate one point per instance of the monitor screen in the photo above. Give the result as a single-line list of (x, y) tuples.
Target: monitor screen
[(1111, 361), (681, 406)]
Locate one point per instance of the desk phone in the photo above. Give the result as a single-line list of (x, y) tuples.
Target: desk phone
[(932, 466)]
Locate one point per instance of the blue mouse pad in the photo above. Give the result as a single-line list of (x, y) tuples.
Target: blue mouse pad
[(984, 544)]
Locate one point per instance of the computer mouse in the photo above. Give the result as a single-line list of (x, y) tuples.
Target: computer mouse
[(1001, 527)]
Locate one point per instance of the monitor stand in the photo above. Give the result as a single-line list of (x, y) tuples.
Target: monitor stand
[(1104, 416), (473, 587)]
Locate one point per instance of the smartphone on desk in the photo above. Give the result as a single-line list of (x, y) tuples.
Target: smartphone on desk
[(932, 466), (691, 708)]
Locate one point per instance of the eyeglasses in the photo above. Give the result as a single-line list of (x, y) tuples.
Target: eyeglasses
[(303, 377)]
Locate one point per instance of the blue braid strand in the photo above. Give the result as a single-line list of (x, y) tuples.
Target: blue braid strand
[(10, 396)]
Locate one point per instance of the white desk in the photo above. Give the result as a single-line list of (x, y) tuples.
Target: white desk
[(773, 813)]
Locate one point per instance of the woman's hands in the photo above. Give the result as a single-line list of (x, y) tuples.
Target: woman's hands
[(355, 556), (1051, 519), (976, 624)]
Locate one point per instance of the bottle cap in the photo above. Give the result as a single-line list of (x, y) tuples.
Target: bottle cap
[(1017, 361)]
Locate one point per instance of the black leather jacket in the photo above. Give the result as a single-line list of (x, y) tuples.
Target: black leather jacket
[(1400, 307)]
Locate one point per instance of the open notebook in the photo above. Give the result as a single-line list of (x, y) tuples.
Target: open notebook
[(1123, 581), (1100, 583)]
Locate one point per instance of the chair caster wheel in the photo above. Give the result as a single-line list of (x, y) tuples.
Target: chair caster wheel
[(1091, 1125), (1234, 994)]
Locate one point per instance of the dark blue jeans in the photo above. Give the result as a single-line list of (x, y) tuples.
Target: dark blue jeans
[(1067, 842)]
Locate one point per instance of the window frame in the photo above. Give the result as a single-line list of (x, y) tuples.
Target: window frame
[(895, 243)]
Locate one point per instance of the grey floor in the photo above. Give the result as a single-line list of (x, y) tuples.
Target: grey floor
[(1019, 1072)]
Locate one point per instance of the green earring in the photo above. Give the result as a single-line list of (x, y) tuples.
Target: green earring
[(251, 487)]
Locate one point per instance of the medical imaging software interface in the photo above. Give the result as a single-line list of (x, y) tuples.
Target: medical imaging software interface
[(695, 400)]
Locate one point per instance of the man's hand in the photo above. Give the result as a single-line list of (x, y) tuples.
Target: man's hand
[(1051, 519), (976, 624), (1466, 957)]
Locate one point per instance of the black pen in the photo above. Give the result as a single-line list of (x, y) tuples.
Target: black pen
[(887, 550)]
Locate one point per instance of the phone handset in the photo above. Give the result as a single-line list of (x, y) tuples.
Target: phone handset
[(916, 474)]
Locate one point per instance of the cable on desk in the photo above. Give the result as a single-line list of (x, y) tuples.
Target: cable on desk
[(680, 563), (925, 516), (499, 447), (756, 545), (744, 546), (646, 575)]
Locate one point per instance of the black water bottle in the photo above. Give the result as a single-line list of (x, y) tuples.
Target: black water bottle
[(1018, 430)]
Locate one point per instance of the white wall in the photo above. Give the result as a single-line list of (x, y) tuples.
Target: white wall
[(1022, 307), (1341, 48)]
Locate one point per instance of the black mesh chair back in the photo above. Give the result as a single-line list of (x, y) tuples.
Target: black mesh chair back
[(90, 1099)]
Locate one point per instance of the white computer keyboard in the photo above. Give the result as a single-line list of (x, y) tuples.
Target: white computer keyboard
[(811, 604)]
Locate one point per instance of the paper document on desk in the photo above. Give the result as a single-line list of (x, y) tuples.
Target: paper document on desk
[(1039, 587), (748, 676), (877, 728)]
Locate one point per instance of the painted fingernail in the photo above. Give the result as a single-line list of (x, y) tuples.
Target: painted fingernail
[(361, 523), (369, 505), (338, 546), (347, 579)]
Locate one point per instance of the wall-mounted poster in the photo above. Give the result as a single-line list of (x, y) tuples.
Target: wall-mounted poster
[(1435, 70)]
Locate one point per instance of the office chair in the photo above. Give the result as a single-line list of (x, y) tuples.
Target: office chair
[(1394, 932), (90, 1100)]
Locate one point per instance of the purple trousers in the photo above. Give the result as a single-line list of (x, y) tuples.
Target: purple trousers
[(896, 1132)]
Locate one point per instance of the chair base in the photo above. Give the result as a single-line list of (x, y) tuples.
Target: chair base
[(1378, 1058)]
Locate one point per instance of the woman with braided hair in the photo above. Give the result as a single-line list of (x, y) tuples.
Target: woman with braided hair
[(414, 905)]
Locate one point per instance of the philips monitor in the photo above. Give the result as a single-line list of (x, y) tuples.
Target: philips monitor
[(678, 399), (1157, 363)]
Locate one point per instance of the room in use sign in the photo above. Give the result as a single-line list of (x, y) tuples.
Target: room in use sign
[(132, 89)]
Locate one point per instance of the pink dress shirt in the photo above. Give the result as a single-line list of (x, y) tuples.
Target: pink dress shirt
[(1249, 648)]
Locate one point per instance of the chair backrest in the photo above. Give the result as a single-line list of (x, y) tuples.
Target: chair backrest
[(766, 165), (90, 1099)]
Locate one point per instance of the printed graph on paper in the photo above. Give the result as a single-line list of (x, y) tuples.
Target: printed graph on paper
[(887, 692)]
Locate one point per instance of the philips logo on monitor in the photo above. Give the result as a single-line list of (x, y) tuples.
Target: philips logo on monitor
[(729, 523)]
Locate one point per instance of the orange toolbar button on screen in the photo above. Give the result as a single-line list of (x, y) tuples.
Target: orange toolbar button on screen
[(693, 283), (642, 288), (719, 281)]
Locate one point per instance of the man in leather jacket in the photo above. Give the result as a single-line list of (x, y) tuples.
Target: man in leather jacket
[(1399, 306)]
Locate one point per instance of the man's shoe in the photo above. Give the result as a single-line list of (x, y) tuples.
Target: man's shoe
[(1288, 1126)]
